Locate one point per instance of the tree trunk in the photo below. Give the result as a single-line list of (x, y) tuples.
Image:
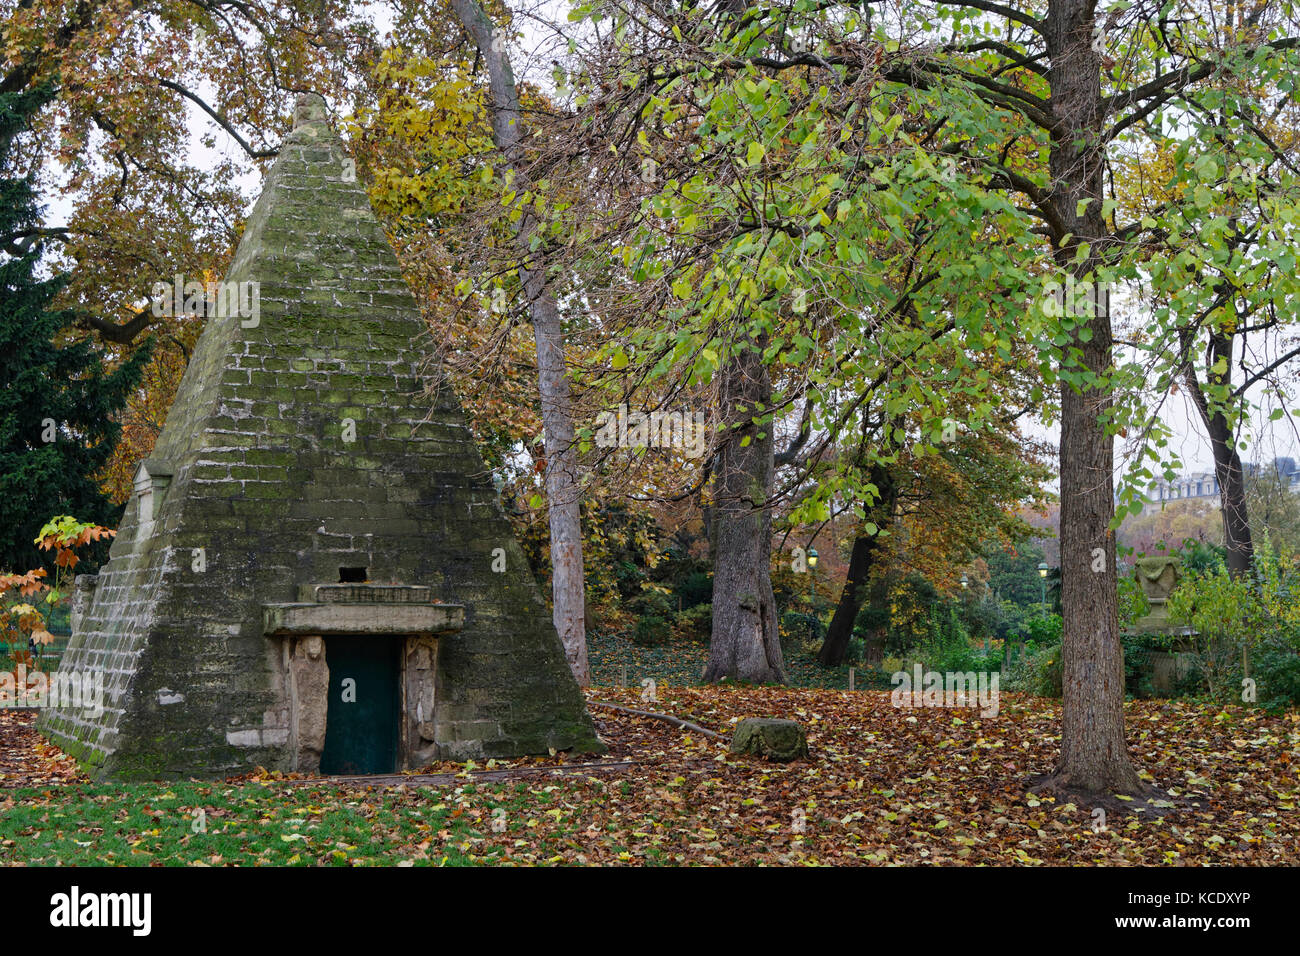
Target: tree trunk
[(874, 653), (866, 547), (1227, 463), (1094, 757), (838, 635), (562, 491), (745, 643), (1232, 496)]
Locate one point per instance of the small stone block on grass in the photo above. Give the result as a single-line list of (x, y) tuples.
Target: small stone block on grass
[(776, 739)]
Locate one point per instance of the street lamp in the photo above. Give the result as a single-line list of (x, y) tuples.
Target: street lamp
[(812, 580), (964, 582), (1042, 575)]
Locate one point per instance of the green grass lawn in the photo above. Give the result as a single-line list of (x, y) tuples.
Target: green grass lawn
[(250, 823), (256, 823)]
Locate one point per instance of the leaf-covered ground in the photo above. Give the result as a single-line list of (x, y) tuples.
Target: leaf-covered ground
[(883, 785)]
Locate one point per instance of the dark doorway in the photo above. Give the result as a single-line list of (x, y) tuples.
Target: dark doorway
[(361, 719)]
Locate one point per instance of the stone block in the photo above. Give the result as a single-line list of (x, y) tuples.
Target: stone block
[(773, 738)]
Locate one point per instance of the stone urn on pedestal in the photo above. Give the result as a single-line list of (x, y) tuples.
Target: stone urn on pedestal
[(1158, 576)]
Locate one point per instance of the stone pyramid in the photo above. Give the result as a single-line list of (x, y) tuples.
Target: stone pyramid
[(310, 517)]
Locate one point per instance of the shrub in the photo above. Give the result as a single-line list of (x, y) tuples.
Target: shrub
[(1199, 557), (1133, 603), (798, 629), (651, 602), (960, 656), (1137, 664), (1276, 669), (1044, 631), (856, 652), (1038, 672), (628, 578), (1231, 616), (695, 589), (1217, 608), (652, 632), (695, 623), (1190, 683)]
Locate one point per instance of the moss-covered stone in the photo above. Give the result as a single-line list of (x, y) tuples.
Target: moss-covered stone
[(770, 737)]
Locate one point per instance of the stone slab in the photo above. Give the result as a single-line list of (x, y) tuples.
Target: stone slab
[(362, 618)]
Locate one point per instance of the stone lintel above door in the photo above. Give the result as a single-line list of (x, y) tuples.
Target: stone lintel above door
[(366, 616)]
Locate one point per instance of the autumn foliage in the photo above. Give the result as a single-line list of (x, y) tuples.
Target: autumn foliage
[(61, 535)]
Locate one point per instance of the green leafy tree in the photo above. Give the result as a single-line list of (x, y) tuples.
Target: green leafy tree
[(1014, 577), (57, 397), (791, 248)]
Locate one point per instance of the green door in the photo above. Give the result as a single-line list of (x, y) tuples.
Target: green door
[(361, 719)]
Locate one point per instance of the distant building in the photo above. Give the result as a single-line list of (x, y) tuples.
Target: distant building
[(1201, 484), (1205, 484), (1288, 471)]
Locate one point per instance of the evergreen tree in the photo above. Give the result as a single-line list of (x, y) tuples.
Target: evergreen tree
[(57, 400)]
